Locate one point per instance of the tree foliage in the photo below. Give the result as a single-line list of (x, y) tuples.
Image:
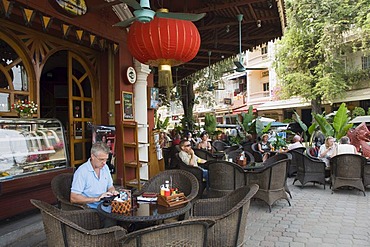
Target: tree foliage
[(309, 61)]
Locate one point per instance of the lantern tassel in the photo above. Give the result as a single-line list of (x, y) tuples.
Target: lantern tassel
[(165, 76)]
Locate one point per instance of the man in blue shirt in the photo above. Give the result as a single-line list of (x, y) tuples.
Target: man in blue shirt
[(92, 181)]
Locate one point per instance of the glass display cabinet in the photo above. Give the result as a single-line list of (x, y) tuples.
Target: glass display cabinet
[(30, 146), (32, 152)]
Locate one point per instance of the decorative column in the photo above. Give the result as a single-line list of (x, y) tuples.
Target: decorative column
[(141, 115)]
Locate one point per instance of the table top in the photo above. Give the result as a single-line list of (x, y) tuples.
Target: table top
[(145, 212)]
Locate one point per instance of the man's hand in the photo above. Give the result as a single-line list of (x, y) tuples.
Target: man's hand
[(105, 194)]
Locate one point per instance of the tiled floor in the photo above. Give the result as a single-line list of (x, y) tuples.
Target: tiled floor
[(316, 218)]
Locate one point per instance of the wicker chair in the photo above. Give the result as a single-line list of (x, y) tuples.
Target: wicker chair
[(292, 169), (204, 154), (183, 180), (223, 177), (61, 187), (367, 174), (311, 170), (196, 171), (234, 155), (219, 145), (347, 170), (232, 148), (191, 232), (76, 228), (271, 179), (229, 213), (256, 153)]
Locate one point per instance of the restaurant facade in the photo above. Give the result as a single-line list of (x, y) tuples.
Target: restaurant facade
[(71, 62)]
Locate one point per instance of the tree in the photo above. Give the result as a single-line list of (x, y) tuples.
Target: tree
[(309, 61), (199, 88)]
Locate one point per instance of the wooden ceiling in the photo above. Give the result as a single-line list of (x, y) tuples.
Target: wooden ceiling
[(219, 29)]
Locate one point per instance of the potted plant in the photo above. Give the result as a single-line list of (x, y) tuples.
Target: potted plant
[(25, 108)]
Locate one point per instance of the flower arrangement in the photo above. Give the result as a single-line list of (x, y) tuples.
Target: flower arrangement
[(25, 106)]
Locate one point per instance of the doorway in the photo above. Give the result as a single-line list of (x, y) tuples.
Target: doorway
[(66, 93)]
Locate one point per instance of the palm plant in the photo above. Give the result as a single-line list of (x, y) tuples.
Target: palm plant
[(337, 128)]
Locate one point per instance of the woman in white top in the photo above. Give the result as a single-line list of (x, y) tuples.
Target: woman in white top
[(327, 150)]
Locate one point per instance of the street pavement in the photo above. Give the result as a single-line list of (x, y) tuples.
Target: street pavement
[(316, 217)]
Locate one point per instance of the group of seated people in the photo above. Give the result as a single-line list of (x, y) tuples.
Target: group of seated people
[(330, 148)]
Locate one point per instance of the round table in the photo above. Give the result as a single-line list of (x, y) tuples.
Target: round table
[(145, 212)]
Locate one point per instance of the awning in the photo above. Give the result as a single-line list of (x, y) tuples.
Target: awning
[(242, 109)]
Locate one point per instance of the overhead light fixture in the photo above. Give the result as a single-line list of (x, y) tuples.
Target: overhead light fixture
[(259, 23)]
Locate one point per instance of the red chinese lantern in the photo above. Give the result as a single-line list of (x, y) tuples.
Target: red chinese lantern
[(164, 43)]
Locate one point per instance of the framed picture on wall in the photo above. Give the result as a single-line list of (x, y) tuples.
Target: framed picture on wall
[(154, 97), (127, 106)]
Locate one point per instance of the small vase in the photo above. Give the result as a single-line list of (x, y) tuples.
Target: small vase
[(25, 115)]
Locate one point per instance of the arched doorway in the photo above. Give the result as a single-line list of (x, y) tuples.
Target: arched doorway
[(66, 93)]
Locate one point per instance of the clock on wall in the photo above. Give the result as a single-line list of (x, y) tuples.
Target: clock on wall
[(72, 8), (131, 75)]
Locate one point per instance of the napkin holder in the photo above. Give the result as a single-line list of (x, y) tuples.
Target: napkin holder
[(172, 201)]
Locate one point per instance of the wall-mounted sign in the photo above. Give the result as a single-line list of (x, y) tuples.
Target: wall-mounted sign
[(227, 101), (71, 8), (127, 106), (131, 75), (265, 73)]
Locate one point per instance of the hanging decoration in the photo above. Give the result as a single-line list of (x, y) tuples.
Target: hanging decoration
[(164, 43)]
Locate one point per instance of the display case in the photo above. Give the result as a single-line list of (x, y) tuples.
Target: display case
[(32, 152), (30, 146)]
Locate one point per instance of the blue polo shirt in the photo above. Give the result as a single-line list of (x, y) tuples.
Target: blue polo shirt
[(86, 182)]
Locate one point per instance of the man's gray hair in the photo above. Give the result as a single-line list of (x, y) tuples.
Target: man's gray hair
[(344, 140), (98, 147)]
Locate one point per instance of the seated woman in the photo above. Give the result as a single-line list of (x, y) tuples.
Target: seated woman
[(327, 150), (204, 143), (264, 147)]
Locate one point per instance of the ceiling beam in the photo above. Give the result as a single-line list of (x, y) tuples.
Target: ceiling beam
[(234, 23), (223, 6)]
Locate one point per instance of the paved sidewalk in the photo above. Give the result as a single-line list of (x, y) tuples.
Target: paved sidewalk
[(316, 218)]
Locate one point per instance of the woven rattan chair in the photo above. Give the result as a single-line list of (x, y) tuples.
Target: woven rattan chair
[(196, 171), (234, 155), (271, 179), (76, 228), (311, 170), (347, 171), (256, 153), (204, 154), (229, 213), (191, 232), (223, 177), (367, 174), (292, 169), (61, 187), (220, 145), (183, 180), (233, 148)]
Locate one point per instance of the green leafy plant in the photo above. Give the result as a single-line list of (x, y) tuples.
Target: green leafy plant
[(247, 121), (279, 142), (338, 128), (161, 125), (210, 124), (358, 111)]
